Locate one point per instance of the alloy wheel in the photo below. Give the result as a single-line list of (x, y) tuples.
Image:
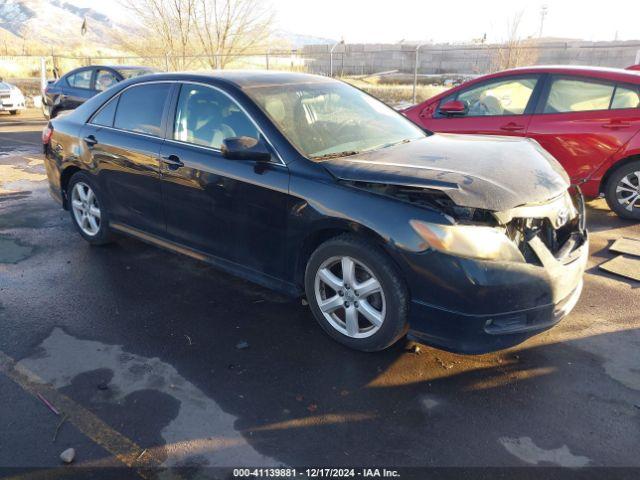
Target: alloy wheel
[(350, 297), (628, 191), (85, 208)]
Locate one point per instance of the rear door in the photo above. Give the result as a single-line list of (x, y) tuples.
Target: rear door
[(77, 89), (500, 106), (583, 121), (124, 139)]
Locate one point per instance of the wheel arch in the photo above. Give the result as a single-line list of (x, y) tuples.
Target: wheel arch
[(619, 164), (327, 231), (65, 177)]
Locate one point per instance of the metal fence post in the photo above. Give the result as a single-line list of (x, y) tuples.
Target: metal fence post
[(341, 42), (166, 62), (638, 57), (43, 73), (415, 72), (267, 58)]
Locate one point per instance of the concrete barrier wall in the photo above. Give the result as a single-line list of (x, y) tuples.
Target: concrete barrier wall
[(464, 59)]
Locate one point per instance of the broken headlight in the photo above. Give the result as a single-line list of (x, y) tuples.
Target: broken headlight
[(473, 241)]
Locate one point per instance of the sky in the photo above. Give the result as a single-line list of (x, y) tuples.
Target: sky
[(391, 21)]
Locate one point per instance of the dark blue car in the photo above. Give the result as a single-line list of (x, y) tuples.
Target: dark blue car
[(79, 85), (311, 187)]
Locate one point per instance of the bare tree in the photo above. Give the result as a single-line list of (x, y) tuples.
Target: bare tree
[(228, 29), (515, 51), (164, 27), (220, 30)]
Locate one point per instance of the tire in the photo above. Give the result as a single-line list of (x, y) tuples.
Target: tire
[(389, 305), (13, 112), (622, 191), (96, 232)]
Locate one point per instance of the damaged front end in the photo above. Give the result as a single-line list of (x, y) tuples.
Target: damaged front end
[(555, 227)]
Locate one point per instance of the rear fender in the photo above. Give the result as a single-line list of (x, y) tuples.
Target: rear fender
[(596, 183)]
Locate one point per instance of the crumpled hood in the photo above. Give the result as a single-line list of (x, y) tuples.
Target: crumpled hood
[(479, 171)]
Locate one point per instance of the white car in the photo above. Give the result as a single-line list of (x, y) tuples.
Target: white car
[(11, 98)]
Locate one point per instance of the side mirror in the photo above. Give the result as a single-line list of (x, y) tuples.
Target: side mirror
[(245, 148), (453, 107)]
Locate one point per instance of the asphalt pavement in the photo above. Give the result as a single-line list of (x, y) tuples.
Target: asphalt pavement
[(137, 349)]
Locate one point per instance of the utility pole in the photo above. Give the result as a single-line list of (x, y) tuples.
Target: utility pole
[(543, 13)]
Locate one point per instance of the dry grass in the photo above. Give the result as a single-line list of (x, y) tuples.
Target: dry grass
[(394, 94)]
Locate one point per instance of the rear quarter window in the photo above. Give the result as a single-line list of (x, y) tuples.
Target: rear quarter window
[(626, 97), (105, 116)]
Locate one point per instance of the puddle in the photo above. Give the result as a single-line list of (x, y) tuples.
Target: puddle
[(12, 252), (201, 430), (529, 452), (10, 174), (12, 150)]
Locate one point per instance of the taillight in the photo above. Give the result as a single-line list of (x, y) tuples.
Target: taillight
[(46, 134)]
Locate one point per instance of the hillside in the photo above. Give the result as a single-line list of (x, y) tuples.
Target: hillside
[(40, 26), (37, 26)]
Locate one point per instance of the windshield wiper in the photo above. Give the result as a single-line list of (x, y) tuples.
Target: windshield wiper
[(346, 153), (391, 144)]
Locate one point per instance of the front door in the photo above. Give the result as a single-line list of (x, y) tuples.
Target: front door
[(232, 209), (499, 106)]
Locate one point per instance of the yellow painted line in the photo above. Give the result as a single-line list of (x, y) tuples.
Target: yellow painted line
[(122, 448), (315, 421)]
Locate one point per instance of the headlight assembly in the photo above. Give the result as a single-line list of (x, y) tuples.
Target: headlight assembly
[(484, 243)]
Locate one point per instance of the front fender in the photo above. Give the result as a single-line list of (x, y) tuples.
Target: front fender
[(327, 205)]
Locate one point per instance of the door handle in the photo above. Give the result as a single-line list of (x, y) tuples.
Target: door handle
[(512, 127), (173, 162), (90, 140), (616, 125)]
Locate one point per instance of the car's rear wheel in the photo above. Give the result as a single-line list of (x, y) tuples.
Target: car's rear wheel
[(356, 293), (87, 209), (623, 191)]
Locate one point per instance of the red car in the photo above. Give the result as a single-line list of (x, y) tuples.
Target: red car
[(587, 118)]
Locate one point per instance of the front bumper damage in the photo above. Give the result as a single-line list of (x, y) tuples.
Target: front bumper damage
[(474, 306)]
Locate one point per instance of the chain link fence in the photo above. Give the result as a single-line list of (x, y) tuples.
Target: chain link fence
[(399, 74)]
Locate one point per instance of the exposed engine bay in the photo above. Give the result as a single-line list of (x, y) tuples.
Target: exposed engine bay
[(558, 223)]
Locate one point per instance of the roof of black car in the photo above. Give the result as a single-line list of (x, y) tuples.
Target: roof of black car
[(250, 78)]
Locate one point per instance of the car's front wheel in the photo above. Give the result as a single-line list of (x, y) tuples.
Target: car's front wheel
[(356, 293), (13, 112), (623, 191), (87, 209)]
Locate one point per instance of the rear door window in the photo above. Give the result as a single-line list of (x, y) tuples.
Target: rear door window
[(80, 79), (141, 108), (576, 95)]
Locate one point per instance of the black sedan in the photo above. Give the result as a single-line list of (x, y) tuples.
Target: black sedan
[(311, 187), (79, 85)]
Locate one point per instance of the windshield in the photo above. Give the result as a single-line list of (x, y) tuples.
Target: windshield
[(134, 72), (332, 119)]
